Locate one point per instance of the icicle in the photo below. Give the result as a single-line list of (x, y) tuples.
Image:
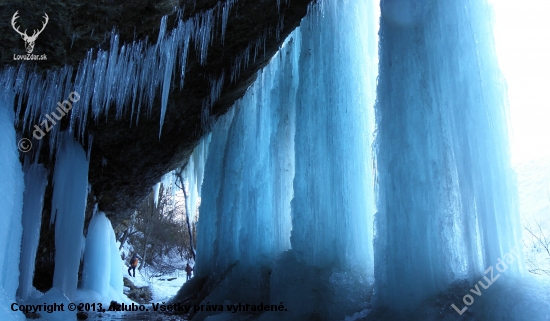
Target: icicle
[(90, 142), (216, 86), (70, 182), (11, 207), (156, 190), (240, 62), (203, 33), (128, 74), (102, 268), (194, 173), (226, 8)]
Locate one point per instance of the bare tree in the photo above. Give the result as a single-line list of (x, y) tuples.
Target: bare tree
[(540, 242), (181, 185), (158, 232)]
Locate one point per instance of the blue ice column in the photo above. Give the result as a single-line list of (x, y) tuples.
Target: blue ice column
[(102, 267), (330, 269), (333, 189), (447, 202), (11, 207), (298, 144), (70, 183)]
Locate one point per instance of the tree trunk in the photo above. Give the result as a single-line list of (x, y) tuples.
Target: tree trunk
[(144, 256), (191, 242), (123, 238)]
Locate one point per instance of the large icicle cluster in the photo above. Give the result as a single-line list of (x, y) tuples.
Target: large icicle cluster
[(126, 76), (289, 170), (70, 183), (11, 208)]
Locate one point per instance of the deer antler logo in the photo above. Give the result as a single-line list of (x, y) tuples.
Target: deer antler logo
[(29, 41)]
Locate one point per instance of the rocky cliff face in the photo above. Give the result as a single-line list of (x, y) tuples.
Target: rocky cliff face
[(126, 160)]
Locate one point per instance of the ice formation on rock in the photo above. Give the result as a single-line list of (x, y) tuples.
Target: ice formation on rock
[(102, 266), (70, 190), (11, 208), (288, 185)]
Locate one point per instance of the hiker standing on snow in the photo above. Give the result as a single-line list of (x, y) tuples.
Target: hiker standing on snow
[(189, 270), (133, 264)]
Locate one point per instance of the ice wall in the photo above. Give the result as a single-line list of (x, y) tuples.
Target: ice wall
[(70, 183), (244, 221), (288, 183), (331, 270), (245, 212), (102, 267), (11, 207), (447, 204), (36, 180), (333, 204)]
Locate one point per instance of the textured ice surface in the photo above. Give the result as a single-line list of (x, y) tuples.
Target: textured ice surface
[(447, 205), (70, 183), (11, 208), (289, 169), (194, 174), (55, 296), (102, 267)]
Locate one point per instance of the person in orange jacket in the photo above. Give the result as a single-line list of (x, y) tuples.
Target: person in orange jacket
[(133, 264)]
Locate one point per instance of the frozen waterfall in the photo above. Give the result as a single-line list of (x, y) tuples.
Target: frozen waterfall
[(293, 174), (288, 184), (447, 206), (11, 208), (102, 266), (70, 184), (364, 175)]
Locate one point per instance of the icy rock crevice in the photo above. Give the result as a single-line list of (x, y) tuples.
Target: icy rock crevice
[(36, 179), (128, 75)]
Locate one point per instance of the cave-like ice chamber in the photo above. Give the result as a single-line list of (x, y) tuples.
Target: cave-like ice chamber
[(358, 177)]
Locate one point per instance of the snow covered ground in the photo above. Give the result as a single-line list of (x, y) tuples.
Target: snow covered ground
[(163, 287)]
